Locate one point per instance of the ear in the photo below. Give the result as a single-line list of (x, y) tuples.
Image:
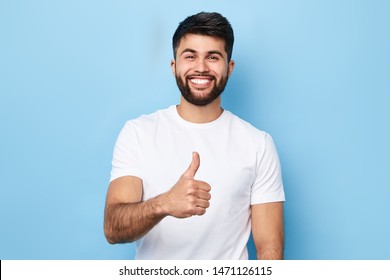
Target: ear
[(230, 67), (173, 67)]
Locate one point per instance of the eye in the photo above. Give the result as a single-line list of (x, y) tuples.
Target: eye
[(213, 58), (189, 57)]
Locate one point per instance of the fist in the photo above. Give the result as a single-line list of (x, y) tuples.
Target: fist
[(188, 197)]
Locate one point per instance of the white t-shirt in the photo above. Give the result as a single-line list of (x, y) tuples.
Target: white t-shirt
[(239, 162)]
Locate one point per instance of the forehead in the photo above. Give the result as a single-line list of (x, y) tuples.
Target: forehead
[(201, 43)]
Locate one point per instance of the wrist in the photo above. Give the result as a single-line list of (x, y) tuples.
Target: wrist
[(159, 206)]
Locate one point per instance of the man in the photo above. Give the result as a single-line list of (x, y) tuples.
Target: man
[(204, 207)]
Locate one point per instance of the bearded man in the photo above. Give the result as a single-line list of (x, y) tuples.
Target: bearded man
[(193, 181)]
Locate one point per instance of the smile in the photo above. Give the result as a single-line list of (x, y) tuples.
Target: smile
[(200, 81)]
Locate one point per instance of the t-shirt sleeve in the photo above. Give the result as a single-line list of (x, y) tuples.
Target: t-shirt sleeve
[(268, 184), (125, 161)]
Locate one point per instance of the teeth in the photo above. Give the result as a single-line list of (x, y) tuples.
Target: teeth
[(200, 81)]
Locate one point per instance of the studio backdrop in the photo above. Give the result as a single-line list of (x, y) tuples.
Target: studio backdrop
[(313, 74)]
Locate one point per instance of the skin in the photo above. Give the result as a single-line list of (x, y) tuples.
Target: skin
[(198, 55), (128, 218), (268, 230)]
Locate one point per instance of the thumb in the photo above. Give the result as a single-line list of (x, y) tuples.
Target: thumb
[(194, 166)]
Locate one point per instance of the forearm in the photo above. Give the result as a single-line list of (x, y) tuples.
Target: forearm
[(270, 254), (127, 222), (268, 230), (126, 219), (271, 248)]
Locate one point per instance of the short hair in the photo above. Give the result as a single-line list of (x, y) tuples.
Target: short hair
[(209, 24)]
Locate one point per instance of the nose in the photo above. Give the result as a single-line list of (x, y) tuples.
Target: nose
[(201, 66)]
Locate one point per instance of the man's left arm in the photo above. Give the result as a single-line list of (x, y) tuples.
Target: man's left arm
[(268, 230)]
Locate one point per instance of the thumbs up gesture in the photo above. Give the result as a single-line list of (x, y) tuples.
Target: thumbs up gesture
[(188, 197)]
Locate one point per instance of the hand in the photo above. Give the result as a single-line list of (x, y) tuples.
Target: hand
[(188, 197)]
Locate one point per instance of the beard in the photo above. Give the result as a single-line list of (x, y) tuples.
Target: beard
[(202, 100)]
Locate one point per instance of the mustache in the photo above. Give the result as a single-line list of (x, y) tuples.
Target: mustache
[(200, 75)]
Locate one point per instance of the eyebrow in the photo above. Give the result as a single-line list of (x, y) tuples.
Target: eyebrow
[(209, 52)]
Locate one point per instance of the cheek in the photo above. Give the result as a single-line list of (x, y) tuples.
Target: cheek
[(183, 72), (177, 70), (221, 70), (184, 68)]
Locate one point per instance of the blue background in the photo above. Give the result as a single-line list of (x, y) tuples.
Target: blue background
[(314, 74)]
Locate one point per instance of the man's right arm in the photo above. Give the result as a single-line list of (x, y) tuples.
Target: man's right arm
[(128, 218)]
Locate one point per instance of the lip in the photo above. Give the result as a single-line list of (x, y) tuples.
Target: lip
[(200, 82)]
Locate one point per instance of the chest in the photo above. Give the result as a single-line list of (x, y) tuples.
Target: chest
[(227, 163)]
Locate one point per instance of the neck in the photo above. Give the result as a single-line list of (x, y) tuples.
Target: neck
[(200, 114)]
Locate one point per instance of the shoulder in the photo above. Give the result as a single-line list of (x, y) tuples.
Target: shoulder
[(149, 120), (247, 130)]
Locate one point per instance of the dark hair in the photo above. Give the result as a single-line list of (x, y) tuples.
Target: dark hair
[(210, 24)]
